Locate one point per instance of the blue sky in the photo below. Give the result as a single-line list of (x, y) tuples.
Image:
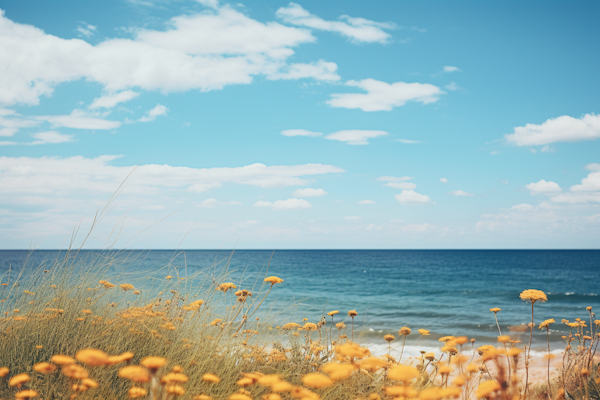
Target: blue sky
[(270, 124)]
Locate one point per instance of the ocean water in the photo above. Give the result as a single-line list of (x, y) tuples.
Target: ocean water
[(448, 292)]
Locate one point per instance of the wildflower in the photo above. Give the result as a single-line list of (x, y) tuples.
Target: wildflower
[(74, 371), (224, 287), (533, 295), (153, 363), (127, 356), (205, 397), (332, 313), (372, 364), (546, 323), (404, 391), (273, 280), (90, 383), (403, 373), (423, 332), (212, 378), (106, 284), (389, 338), (449, 349), (18, 380), (26, 394), (194, 305), (429, 356), (136, 392), (176, 390), (3, 372), (495, 309), (337, 371), (174, 377), (404, 331), (126, 286), (92, 357), (169, 277), (136, 292), (135, 373), (62, 360), (446, 338), (340, 325), (86, 311), (28, 292), (290, 326), (44, 367), (316, 380), (352, 350), (503, 339), (352, 313), (485, 389), (309, 326)]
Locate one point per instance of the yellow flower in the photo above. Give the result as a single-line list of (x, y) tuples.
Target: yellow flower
[(316, 380), (485, 389), (112, 360), (403, 373), (224, 287), (90, 383), (446, 338), (136, 392), (106, 284), (92, 357), (153, 363), (533, 295), (403, 391), (290, 326), (44, 367), (340, 325), (309, 326), (352, 313), (423, 332), (404, 331), (3, 372), (74, 371), (273, 280), (62, 360), (495, 309), (26, 394), (169, 277), (212, 378), (174, 377), (126, 286), (546, 323), (18, 380), (176, 390), (372, 364), (389, 338), (332, 313), (135, 373)]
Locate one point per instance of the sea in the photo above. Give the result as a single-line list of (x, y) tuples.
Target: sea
[(448, 292)]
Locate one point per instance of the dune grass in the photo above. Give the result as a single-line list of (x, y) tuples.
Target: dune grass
[(169, 338)]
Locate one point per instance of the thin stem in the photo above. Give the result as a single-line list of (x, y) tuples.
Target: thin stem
[(402, 351), (528, 353)]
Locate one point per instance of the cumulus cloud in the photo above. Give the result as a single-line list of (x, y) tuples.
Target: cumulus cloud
[(78, 120), (356, 29), (543, 187), (411, 198), (522, 207), (300, 132), (443, 180), (460, 193), (398, 182), (355, 136), (52, 137), (449, 68), (593, 167), (320, 70), (155, 112), (309, 192), (61, 176), (382, 96), (560, 129), (289, 204), (11, 122), (401, 185), (111, 100), (204, 51), (366, 201)]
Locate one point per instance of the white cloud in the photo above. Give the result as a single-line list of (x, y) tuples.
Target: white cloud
[(355, 136), (11, 122), (367, 201), (401, 185), (460, 193), (522, 207), (52, 137), (309, 192), (87, 30), (7, 143), (449, 68), (55, 175), (382, 96), (593, 167), (410, 197), (357, 29), (299, 132), (111, 100), (560, 129), (78, 120), (351, 218), (155, 112), (321, 71), (204, 51), (589, 184), (407, 141), (452, 86), (212, 203), (289, 204), (543, 187), (443, 180)]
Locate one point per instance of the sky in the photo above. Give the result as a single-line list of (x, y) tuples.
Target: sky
[(269, 124)]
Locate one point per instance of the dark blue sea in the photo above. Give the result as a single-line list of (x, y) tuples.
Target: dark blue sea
[(448, 292)]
